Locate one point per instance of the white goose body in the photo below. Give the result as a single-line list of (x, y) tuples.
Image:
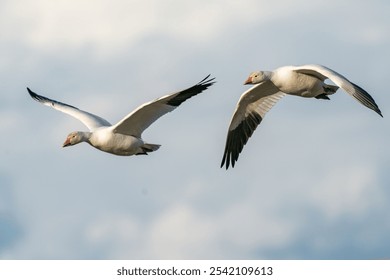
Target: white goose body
[(294, 83), (106, 140), (123, 138), (270, 86)]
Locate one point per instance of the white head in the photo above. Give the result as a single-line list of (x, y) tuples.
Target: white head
[(74, 138), (256, 78)]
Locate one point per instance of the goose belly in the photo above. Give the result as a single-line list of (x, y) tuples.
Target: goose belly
[(300, 84), (117, 144)]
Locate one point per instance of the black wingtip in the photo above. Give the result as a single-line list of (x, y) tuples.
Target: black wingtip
[(33, 94), (192, 91), (223, 162), (366, 99), (238, 137), (378, 111), (206, 81), (205, 78), (227, 159), (226, 165)]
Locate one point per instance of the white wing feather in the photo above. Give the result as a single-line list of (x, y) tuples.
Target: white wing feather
[(352, 89), (142, 117), (89, 120), (250, 111)]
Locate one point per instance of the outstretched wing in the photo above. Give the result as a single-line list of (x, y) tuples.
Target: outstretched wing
[(88, 119), (250, 111), (142, 117), (352, 89)]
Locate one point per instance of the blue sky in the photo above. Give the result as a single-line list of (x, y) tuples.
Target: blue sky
[(312, 182)]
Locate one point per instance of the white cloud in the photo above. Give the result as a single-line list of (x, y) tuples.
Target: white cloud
[(113, 227), (114, 236), (180, 232), (347, 190), (106, 27)]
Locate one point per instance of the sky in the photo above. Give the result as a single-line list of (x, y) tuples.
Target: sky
[(312, 182)]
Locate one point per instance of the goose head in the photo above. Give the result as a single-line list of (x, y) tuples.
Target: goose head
[(74, 138), (255, 78)]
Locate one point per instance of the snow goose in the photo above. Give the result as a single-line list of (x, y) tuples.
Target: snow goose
[(123, 138), (305, 81)]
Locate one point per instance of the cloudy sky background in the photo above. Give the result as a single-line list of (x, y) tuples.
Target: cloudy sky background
[(312, 183)]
